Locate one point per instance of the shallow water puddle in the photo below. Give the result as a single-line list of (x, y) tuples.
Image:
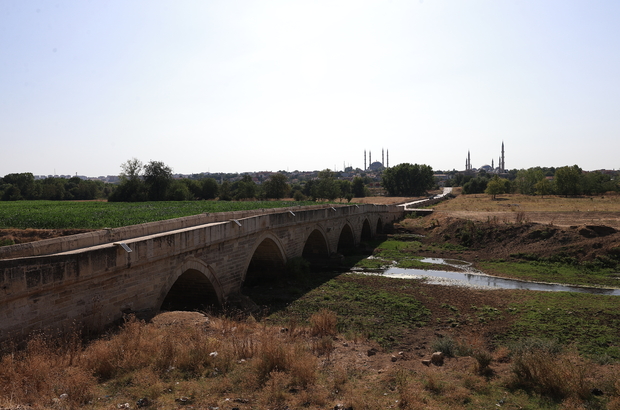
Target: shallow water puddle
[(481, 280)]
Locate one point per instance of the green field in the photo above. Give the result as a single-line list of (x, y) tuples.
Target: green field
[(97, 215)]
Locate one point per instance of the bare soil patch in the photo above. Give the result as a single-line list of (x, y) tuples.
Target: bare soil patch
[(494, 237)]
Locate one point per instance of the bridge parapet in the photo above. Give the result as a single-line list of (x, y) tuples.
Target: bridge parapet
[(88, 239)]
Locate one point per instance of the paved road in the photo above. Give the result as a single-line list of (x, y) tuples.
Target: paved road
[(420, 202)]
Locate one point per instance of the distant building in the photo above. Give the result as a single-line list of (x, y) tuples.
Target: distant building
[(377, 166)]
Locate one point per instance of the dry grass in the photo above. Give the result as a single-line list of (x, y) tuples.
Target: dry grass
[(526, 203), (560, 375), (246, 364)]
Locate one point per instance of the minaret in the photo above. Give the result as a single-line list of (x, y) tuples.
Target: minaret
[(369, 158), (492, 165), (382, 157), (502, 165), (387, 164), (364, 160)]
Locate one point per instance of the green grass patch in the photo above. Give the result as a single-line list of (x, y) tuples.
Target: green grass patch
[(373, 306), (591, 322), (552, 272), (400, 251), (97, 215), (392, 249)]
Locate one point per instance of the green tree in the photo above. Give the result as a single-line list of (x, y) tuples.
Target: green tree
[(209, 188), (476, 185), (193, 186), (225, 191), (358, 187), (24, 185), (158, 178), (345, 190), (276, 187), (327, 187), (131, 187), (244, 189), (543, 187), (310, 189), (408, 180), (593, 183), (527, 179), (53, 189), (11, 193), (179, 191), (495, 186), (567, 180)]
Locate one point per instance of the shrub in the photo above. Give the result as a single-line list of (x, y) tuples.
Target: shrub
[(446, 345), (540, 366), (323, 323)]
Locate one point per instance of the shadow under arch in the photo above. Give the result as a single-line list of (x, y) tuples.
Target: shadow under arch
[(267, 262), (316, 250), (346, 240), (379, 227), (195, 287), (366, 231)]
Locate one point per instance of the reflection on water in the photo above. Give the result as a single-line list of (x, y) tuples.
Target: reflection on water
[(482, 280)]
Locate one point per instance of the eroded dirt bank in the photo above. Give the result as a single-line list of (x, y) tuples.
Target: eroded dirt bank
[(491, 239)]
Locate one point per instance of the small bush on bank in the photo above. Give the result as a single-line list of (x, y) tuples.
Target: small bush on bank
[(541, 366)]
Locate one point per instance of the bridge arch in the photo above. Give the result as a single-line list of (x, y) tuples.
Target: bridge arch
[(366, 231), (346, 240), (316, 246), (266, 261), (379, 227), (193, 286)]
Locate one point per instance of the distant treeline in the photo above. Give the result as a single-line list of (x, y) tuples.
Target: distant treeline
[(567, 180), (155, 182), (23, 186)]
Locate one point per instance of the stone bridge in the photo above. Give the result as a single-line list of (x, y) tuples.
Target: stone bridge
[(92, 279)]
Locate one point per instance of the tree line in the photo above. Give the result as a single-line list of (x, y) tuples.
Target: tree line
[(154, 182), (23, 186), (565, 181)]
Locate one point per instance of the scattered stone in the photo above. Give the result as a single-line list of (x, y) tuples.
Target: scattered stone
[(123, 406), (437, 358), (596, 392), (143, 402), (213, 354), (183, 400), (426, 362), (64, 396), (394, 358), (372, 352)]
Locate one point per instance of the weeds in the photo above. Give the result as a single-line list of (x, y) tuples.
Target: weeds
[(540, 366)]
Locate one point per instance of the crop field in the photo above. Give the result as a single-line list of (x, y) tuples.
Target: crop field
[(97, 215)]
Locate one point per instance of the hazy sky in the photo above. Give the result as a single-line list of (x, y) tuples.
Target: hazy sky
[(234, 86)]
